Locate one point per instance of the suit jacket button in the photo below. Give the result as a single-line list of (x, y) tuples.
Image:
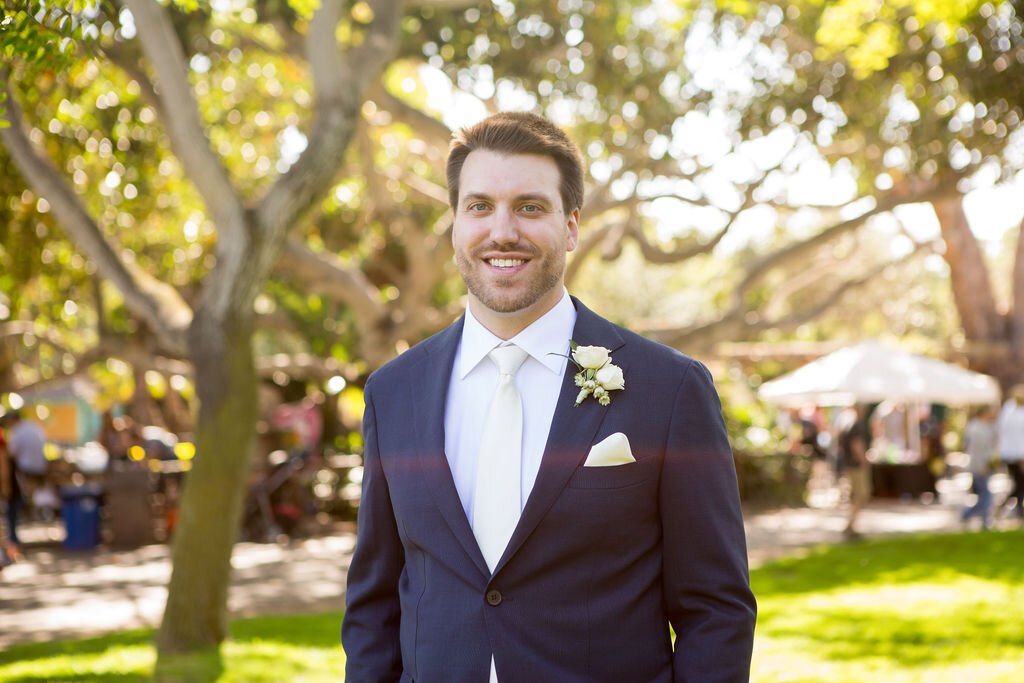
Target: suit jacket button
[(493, 598)]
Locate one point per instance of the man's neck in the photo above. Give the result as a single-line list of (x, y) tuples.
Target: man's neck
[(504, 326)]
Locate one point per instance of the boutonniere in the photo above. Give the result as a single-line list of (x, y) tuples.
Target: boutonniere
[(597, 375)]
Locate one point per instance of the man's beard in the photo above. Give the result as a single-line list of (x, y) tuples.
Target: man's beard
[(506, 300)]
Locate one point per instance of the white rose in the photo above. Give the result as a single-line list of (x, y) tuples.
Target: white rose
[(591, 357), (610, 377)]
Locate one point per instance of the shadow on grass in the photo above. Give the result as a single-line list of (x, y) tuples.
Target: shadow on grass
[(306, 630), (87, 646), (258, 642), (991, 555), (87, 678), (910, 640)]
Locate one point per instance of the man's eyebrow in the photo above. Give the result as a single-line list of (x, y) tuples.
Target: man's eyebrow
[(528, 196), (536, 197)]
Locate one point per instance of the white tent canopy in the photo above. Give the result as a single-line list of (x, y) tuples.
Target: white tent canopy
[(872, 372)]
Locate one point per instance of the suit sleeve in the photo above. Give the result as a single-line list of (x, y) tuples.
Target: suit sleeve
[(370, 630), (705, 575)]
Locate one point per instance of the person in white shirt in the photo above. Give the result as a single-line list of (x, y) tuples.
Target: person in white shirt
[(25, 444), (1011, 447), (980, 445)]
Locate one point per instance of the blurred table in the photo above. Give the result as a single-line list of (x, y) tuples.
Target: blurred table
[(890, 480)]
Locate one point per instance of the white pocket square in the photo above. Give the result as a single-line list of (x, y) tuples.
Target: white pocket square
[(611, 451)]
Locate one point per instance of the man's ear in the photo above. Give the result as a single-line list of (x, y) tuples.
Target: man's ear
[(572, 236)]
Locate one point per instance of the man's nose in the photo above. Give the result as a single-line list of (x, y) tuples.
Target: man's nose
[(504, 229)]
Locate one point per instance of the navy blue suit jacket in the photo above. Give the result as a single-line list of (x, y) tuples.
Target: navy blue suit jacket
[(603, 561)]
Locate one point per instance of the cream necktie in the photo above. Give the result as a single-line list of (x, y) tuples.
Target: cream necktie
[(496, 498)]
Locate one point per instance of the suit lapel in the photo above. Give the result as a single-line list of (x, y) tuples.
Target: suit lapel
[(572, 431), (430, 376)]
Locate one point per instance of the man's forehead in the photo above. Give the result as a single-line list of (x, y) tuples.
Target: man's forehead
[(486, 172)]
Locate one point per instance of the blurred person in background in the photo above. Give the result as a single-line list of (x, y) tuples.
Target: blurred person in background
[(25, 443), (854, 442), (8, 550), (1011, 447), (980, 445)]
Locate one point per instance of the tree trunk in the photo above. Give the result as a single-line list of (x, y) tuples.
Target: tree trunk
[(1017, 306), (196, 614), (987, 330)]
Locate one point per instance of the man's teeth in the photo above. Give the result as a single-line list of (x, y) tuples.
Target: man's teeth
[(506, 262)]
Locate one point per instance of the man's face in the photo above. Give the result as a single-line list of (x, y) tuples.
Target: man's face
[(511, 234)]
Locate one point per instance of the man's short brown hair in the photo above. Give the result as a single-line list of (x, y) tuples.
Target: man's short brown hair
[(520, 133)]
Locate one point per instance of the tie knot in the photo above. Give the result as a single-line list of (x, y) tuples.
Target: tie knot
[(508, 358)]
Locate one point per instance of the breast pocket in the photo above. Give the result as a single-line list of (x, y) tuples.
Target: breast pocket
[(616, 476)]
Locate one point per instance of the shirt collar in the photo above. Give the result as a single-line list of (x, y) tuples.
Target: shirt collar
[(545, 339)]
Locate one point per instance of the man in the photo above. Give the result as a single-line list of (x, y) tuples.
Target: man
[(854, 442), (623, 517), (1011, 448), (8, 550), (25, 444), (980, 445)]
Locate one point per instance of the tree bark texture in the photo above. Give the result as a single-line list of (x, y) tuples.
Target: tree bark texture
[(986, 329), (1017, 303), (196, 614)]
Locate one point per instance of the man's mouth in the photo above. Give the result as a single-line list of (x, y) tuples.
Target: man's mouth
[(505, 262)]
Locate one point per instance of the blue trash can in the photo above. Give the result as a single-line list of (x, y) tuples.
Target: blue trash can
[(80, 509)]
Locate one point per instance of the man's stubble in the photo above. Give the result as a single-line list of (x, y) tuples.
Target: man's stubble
[(500, 295)]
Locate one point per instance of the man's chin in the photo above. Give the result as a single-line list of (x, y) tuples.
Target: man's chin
[(507, 305)]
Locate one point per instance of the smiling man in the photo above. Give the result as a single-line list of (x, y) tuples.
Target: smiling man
[(545, 493)]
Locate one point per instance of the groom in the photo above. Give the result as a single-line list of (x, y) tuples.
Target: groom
[(526, 517)]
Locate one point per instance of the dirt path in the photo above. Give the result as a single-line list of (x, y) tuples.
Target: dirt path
[(57, 594)]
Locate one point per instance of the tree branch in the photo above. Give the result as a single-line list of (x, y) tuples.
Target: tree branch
[(156, 303), (419, 121), (654, 254), (20, 328), (585, 246), (304, 365), (327, 274), (426, 188), (737, 322), (340, 83), (798, 250), (184, 127)]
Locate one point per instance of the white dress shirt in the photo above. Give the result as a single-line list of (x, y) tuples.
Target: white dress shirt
[(539, 381)]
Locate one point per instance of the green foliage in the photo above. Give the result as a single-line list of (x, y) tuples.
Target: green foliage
[(592, 64), (911, 89), (40, 36), (304, 8), (771, 479), (869, 32)]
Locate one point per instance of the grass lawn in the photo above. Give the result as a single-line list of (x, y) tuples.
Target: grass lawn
[(935, 609), (303, 649)]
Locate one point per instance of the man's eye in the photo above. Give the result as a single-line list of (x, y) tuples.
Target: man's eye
[(478, 206), (530, 208)]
